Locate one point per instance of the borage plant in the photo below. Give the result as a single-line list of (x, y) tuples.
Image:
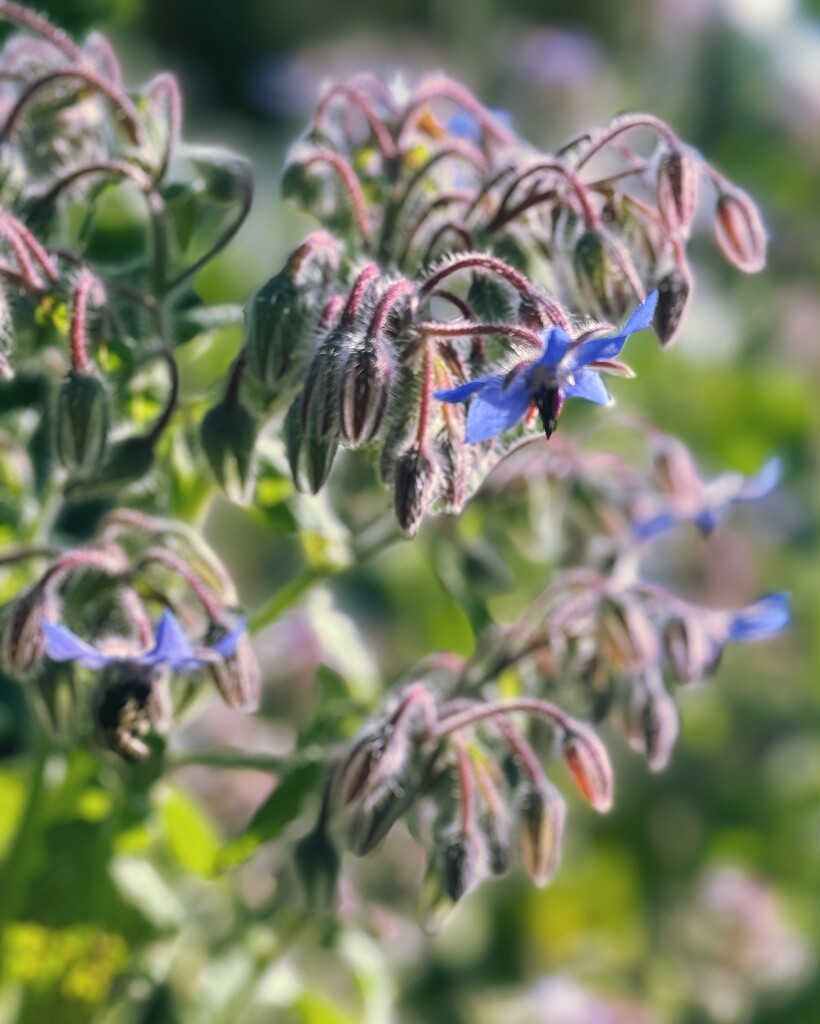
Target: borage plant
[(461, 288)]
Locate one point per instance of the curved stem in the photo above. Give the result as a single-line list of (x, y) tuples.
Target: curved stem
[(622, 124), (386, 304), (118, 167), (352, 186), (441, 87), (166, 86), (384, 140), (127, 112), (580, 190), (497, 709), (246, 198), (86, 284), (361, 285), (36, 23), (166, 415), (450, 226), (448, 199), (456, 330)]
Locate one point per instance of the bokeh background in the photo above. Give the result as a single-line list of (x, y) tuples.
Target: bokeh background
[(698, 898)]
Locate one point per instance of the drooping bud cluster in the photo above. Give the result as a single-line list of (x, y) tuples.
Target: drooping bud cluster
[(471, 762), (114, 591), (449, 219)]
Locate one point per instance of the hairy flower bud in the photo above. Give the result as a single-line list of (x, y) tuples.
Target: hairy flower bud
[(660, 725), (228, 435), (310, 458), (414, 477), (688, 648), (22, 644), (82, 421), (740, 232), (365, 385), (317, 865), (464, 862), (677, 190), (540, 814), (600, 281), (237, 676), (673, 289), (628, 637), (281, 318), (589, 764)]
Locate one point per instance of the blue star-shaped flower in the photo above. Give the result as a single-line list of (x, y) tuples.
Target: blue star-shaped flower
[(566, 369), (705, 504), (171, 648), (760, 620)]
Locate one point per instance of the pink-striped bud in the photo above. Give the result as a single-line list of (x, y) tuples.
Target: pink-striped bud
[(22, 643), (740, 232), (589, 764), (660, 725), (414, 478), (673, 289), (540, 814), (628, 637), (364, 391), (689, 649), (677, 190)]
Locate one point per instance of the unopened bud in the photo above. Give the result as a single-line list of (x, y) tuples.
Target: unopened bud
[(127, 461), (600, 281), (660, 724), (464, 862), (22, 643), (413, 479), (281, 318), (627, 635), (317, 865), (82, 421), (677, 190), (228, 435), (673, 293), (369, 823), (740, 232), (688, 648), (540, 814), (365, 385), (589, 764), (493, 300), (237, 676)]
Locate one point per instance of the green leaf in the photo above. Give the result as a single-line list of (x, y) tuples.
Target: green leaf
[(282, 807), (190, 835)]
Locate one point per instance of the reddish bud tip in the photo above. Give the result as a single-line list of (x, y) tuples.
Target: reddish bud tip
[(740, 232), (589, 764)]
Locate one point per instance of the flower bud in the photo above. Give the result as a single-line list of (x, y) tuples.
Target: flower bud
[(237, 676), (310, 458), (673, 290), (127, 461), (317, 865), (414, 477), (22, 644), (660, 725), (370, 822), (540, 815), (589, 764), (740, 232), (281, 318), (82, 421), (365, 385), (688, 648), (677, 190), (228, 435), (496, 829), (600, 281), (627, 635), (493, 301), (464, 862)]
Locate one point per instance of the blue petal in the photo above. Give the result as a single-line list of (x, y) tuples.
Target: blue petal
[(644, 529), (64, 645), (589, 386), (609, 346), (763, 483), (497, 408), (766, 617), (464, 391), (642, 317), (226, 647), (707, 520), (556, 345), (171, 646), (466, 126)]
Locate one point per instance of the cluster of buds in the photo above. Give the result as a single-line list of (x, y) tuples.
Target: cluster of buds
[(109, 589), (454, 253), (72, 135), (472, 764)]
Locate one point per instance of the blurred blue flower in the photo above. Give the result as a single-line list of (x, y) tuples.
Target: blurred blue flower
[(171, 648), (566, 369), (708, 505), (465, 125), (760, 620)]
